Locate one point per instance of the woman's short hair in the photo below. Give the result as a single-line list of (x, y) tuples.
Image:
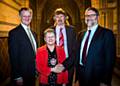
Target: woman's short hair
[(48, 30)]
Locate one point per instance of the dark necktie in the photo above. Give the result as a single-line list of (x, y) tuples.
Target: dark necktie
[(61, 38), (85, 48)]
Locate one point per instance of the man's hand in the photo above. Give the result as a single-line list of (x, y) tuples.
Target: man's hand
[(102, 84), (19, 82), (58, 68)]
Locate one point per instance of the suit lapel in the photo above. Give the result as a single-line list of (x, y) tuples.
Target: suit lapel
[(95, 37), (68, 37), (67, 34), (97, 33), (25, 36)]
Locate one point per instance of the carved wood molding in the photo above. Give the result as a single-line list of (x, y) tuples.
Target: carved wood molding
[(9, 5), (3, 33)]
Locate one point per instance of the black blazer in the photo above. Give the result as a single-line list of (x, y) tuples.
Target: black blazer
[(21, 53), (71, 45), (100, 58)]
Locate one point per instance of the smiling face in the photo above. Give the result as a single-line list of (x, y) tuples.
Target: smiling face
[(91, 18), (26, 17), (60, 19), (50, 38)]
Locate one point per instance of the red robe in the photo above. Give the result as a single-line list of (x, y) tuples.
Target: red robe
[(42, 65)]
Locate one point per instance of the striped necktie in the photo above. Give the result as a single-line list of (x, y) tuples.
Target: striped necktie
[(61, 38)]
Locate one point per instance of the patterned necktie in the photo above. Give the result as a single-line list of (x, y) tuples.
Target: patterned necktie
[(31, 39), (85, 48), (61, 38)]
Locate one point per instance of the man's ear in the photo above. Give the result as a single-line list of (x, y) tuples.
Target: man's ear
[(66, 17), (54, 18)]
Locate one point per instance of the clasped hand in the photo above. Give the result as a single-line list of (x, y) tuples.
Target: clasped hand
[(58, 68)]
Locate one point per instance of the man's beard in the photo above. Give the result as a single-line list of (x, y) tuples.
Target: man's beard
[(60, 22), (90, 22)]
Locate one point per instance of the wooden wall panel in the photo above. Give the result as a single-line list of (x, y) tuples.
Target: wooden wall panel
[(8, 20), (4, 60), (9, 17)]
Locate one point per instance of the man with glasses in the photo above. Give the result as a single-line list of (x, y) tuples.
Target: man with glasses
[(96, 52)]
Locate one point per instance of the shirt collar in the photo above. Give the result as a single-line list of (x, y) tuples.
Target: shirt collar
[(94, 28), (60, 26), (24, 26)]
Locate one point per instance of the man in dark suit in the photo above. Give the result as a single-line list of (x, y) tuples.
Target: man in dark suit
[(68, 40), (95, 61), (22, 49)]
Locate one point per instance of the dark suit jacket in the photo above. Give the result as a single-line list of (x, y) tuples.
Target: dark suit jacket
[(71, 45), (22, 55), (100, 58)]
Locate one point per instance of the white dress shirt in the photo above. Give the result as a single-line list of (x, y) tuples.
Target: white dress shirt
[(57, 31), (93, 29), (25, 28)]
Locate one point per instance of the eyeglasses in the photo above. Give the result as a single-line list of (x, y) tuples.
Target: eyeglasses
[(91, 15)]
